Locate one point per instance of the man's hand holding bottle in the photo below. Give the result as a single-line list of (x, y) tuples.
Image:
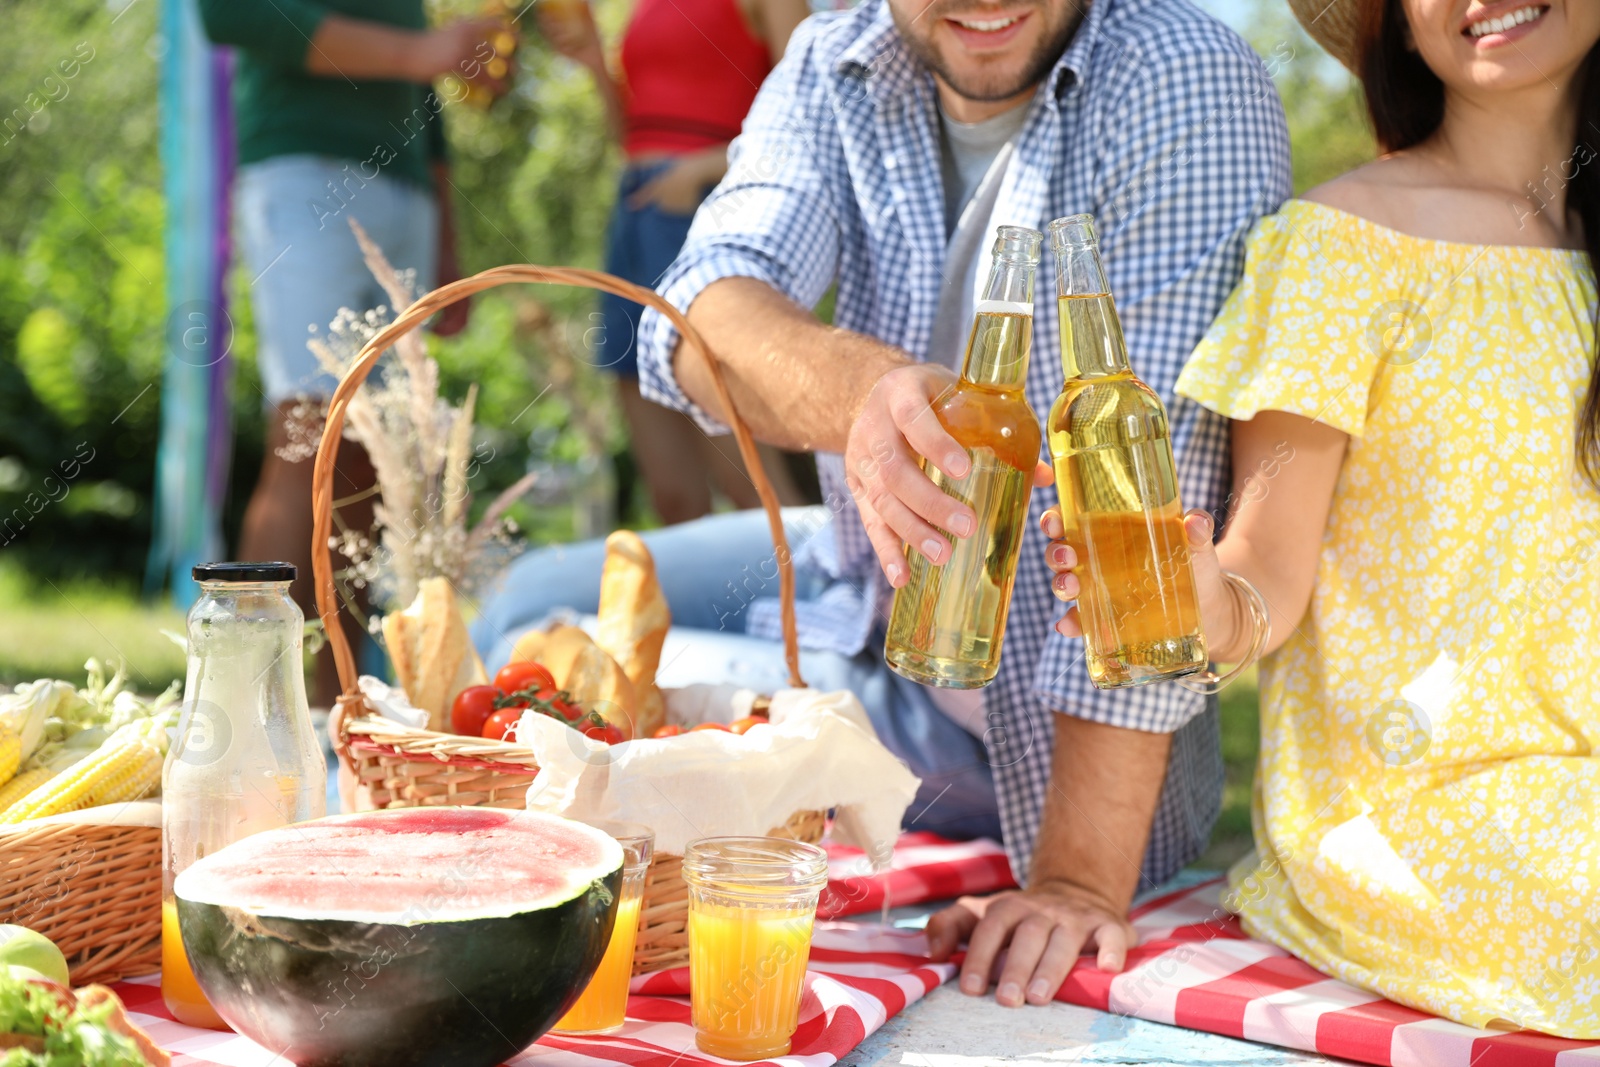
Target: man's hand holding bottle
[(893, 433)]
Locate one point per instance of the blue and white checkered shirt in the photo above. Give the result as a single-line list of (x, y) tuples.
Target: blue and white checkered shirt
[(1159, 121)]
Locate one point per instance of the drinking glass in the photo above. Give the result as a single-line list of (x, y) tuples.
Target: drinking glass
[(604, 1002), (752, 901)]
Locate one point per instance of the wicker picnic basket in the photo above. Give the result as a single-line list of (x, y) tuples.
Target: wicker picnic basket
[(404, 767), (93, 890)]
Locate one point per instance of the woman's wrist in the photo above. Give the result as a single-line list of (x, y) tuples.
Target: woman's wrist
[(1235, 636), (1251, 626)]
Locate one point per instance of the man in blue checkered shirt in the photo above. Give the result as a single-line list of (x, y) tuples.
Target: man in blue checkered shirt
[(878, 158)]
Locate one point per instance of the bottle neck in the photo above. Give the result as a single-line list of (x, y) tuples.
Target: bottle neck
[(1091, 337), (1091, 333), (997, 351), (1002, 328)]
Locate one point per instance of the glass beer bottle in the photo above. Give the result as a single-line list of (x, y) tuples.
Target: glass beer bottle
[(948, 621), (1112, 452)]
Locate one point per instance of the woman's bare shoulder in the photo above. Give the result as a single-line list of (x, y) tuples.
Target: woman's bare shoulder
[(1413, 195), (1380, 191)]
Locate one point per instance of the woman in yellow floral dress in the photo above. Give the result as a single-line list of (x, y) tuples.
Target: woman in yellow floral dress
[(1410, 364)]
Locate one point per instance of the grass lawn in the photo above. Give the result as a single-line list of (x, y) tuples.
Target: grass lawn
[(1241, 735), (48, 629)]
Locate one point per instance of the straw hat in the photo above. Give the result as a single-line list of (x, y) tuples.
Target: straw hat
[(1334, 24)]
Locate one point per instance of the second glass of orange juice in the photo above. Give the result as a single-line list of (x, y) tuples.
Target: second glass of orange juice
[(604, 1001), (752, 901)]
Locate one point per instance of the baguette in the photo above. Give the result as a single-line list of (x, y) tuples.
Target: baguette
[(431, 651), (634, 616)]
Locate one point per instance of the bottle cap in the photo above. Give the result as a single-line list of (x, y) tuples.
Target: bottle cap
[(243, 572)]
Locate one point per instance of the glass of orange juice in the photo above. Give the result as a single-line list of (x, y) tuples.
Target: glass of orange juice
[(178, 987), (604, 1002), (752, 901)]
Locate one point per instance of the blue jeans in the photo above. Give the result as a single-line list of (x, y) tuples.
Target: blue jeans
[(641, 244), (699, 563), (305, 262)]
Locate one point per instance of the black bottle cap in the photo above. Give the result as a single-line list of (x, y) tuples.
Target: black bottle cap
[(243, 572)]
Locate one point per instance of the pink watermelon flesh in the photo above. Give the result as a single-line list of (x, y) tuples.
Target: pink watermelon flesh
[(411, 866)]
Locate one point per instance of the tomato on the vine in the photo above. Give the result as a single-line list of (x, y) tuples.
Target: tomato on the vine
[(523, 675), (604, 731), (557, 699), (501, 723), (472, 708), (740, 726), (672, 729)]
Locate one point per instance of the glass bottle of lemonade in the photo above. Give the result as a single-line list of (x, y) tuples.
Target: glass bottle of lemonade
[(246, 757), (1118, 487), (948, 621)]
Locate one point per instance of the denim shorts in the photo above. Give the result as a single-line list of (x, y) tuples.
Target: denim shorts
[(641, 244), (304, 263)]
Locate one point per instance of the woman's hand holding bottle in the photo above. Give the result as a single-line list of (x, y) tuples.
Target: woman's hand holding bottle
[(1227, 632)]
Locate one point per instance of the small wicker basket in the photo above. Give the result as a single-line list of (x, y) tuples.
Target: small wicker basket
[(93, 890), (399, 766)]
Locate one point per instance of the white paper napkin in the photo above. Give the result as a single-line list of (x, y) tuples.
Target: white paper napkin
[(819, 752)]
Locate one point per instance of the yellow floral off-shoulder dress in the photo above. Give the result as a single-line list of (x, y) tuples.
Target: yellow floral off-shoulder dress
[(1427, 803)]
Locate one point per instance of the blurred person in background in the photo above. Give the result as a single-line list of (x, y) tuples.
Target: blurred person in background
[(689, 72), (336, 119)]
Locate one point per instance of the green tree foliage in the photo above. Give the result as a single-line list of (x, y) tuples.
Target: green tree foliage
[(82, 302), (80, 284)]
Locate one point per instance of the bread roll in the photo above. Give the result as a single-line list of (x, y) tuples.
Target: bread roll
[(595, 680), (432, 654)]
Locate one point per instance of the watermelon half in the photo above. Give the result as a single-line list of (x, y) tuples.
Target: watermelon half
[(451, 937)]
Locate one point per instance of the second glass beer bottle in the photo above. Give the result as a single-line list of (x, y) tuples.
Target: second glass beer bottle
[(1118, 488), (948, 621)]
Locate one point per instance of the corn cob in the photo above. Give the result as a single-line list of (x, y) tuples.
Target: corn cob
[(21, 786), (10, 753), (126, 766)]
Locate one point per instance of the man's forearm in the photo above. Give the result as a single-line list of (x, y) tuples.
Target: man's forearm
[(798, 382), (1105, 783)]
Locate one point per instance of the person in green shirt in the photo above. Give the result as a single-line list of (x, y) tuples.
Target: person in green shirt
[(337, 119)]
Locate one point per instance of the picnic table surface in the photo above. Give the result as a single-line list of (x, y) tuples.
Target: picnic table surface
[(947, 1028)]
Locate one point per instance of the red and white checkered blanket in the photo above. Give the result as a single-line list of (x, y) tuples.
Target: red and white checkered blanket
[(1193, 968)]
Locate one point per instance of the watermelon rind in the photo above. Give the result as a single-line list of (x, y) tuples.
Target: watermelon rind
[(410, 981)]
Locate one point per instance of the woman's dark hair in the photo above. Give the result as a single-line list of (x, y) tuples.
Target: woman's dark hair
[(1405, 100)]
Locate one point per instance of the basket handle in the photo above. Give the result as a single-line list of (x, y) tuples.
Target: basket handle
[(416, 315)]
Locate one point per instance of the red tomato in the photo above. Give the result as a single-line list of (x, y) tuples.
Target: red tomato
[(502, 723), (523, 675), (710, 726), (568, 710), (472, 708), (611, 735), (743, 725), (672, 729)]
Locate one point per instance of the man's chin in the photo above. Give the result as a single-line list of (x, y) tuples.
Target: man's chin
[(990, 85)]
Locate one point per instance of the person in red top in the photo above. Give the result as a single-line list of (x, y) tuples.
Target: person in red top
[(689, 72)]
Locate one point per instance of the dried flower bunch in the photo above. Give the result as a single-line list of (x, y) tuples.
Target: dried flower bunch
[(421, 448)]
